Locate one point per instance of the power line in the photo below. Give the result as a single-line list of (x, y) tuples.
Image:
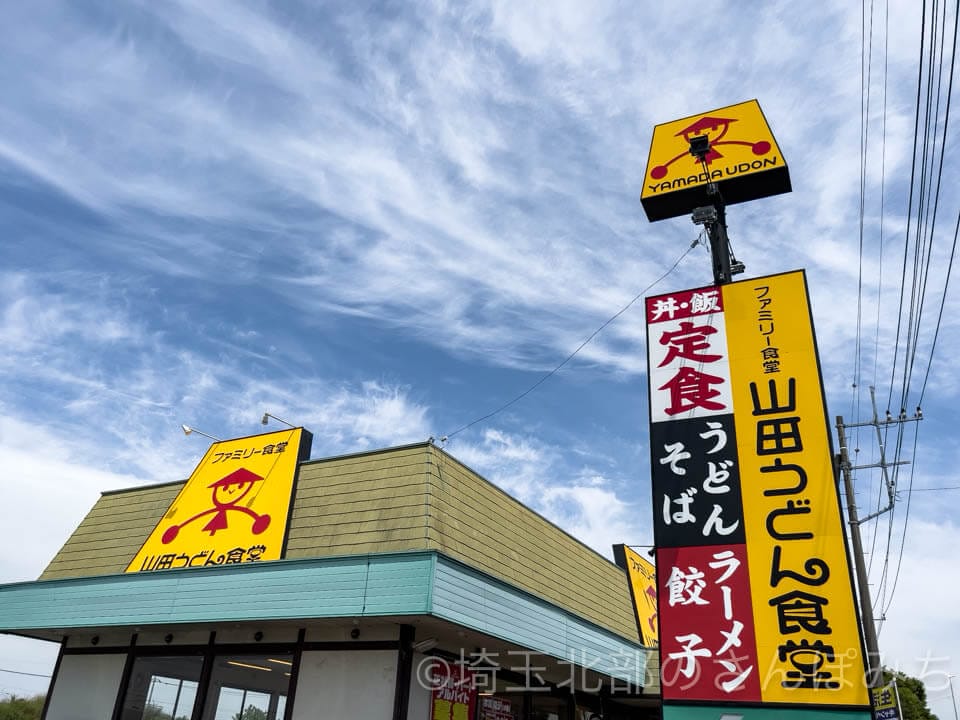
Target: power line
[(906, 519), (943, 300), (913, 170), (930, 178), (20, 672), (582, 345), (879, 298)]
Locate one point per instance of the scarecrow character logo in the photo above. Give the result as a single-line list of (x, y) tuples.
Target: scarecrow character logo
[(714, 128), (227, 493)]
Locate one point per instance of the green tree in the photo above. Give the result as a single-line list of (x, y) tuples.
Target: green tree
[(18, 708), (913, 696), (251, 712), (156, 712)]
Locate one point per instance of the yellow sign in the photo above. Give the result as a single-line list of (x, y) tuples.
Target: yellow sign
[(234, 507), (742, 158), (884, 698), (643, 585), (807, 630)]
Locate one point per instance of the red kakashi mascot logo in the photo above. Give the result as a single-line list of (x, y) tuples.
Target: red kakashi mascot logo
[(714, 128), (227, 493)]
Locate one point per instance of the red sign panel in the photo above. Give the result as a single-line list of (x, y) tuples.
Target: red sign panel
[(709, 649), (454, 693)]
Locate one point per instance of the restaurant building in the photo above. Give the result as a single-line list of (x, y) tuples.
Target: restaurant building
[(390, 584)]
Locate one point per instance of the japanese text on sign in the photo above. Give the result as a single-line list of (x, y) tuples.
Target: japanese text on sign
[(741, 464), (807, 627), (234, 507)]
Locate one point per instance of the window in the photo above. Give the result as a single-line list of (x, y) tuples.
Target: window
[(549, 708), (242, 687), (502, 706), (162, 688), (248, 687)]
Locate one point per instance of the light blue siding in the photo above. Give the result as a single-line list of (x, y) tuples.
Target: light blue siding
[(470, 598)]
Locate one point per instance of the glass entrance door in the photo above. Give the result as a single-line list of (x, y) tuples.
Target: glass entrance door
[(249, 687)]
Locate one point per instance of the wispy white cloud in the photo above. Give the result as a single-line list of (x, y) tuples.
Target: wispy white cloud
[(587, 504), (258, 183), (52, 489)]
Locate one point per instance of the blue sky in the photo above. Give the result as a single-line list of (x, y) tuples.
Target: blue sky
[(385, 220)]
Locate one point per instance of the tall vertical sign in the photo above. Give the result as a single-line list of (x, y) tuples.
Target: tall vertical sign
[(756, 595), (642, 576)]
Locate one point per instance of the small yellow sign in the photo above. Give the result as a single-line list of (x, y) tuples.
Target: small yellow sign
[(234, 507), (807, 629), (643, 582), (885, 698), (742, 158)]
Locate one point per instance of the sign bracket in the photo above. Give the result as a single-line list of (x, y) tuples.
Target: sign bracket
[(713, 217)]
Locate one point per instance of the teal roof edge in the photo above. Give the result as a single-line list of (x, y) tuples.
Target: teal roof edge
[(422, 582), (340, 586)]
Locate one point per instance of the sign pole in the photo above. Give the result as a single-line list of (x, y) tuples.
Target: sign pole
[(713, 217), (719, 243)]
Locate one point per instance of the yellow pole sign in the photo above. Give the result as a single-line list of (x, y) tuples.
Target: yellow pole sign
[(757, 603), (743, 160), (642, 575), (807, 627), (233, 509)]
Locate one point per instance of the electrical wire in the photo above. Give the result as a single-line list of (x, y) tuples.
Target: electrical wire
[(20, 672), (582, 345), (906, 518), (866, 81), (923, 252), (943, 299), (866, 63), (913, 172), (879, 490), (919, 250)]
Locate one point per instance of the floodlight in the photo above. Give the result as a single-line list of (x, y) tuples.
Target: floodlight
[(700, 146), (187, 430), (704, 215), (425, 645), (266, 418)]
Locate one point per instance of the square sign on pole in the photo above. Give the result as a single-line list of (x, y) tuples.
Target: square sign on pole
[(739, 155)]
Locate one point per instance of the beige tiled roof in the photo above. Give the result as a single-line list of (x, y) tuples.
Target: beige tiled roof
[(415, 497)]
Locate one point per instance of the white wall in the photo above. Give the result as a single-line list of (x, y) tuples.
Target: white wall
[(348, 684), (86, 687), (420, 693)]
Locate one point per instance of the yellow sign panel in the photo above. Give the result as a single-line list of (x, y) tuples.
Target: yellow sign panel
[(807, 630), (643, 584), (743, 159), (234, 507), (885, 698)]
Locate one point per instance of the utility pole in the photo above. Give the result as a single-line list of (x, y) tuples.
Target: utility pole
[(874, 669), (866, 606), (953, 697)]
